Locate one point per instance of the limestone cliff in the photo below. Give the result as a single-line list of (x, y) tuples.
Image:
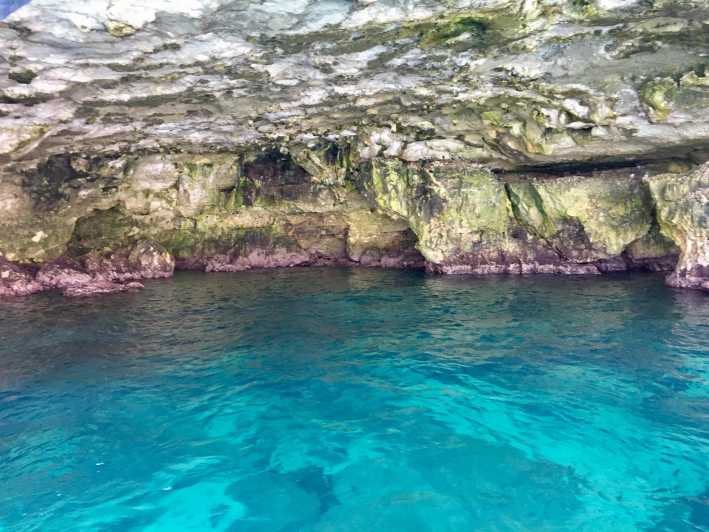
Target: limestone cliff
[(474, 136)]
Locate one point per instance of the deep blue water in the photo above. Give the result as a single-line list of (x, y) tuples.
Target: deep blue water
[(337, 400)]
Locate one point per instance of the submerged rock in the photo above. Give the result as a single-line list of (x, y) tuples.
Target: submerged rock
[(99, 288)]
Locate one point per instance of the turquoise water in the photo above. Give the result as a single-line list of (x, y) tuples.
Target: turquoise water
[(336, 400)]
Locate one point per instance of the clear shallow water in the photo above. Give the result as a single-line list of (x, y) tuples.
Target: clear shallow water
[(336, 400)]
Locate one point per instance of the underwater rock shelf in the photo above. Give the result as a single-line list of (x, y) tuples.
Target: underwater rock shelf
[(488, 136)]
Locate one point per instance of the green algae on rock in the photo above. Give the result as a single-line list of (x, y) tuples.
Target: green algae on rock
[(658, 96), (584, 218), (451, 209), (682, 204), (181, 210), (469, 220)]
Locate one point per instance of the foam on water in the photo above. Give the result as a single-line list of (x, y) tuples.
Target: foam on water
[(357, 400)]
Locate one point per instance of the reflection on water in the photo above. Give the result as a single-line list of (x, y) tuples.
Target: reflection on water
[(327, 399)]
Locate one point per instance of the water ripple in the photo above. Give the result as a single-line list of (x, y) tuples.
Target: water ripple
[(357, 400)]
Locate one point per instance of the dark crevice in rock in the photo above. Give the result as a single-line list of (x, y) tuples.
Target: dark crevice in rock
[(272, 175), (46, 184), (100, 230), (511, 198), (665, 263), (24, 77), (24, 101), (573, 168), (686, 156)]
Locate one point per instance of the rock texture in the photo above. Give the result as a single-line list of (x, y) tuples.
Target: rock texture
[(107, 272), (471, 221), (16, 280), (474, 136), (683, 213)]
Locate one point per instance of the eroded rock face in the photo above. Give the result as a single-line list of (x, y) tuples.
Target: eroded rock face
[(469, 220), (227, 213), (486, 136), (144, 260), (135, 218), (93, 273), (683, 214), (63, 274)]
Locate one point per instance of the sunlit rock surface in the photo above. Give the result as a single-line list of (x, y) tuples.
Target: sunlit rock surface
[(475, 136)]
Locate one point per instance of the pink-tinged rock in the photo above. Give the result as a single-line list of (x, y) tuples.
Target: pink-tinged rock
[(97, 274), (63, 274), (17, 280), (145, 260), (404, 260), (151, 260), (276, 258), (696, 277), (515, 267)]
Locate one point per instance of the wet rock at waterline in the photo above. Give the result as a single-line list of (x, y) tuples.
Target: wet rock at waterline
[(91, 274)]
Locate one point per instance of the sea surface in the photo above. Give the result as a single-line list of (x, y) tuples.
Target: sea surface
[(357, 400)]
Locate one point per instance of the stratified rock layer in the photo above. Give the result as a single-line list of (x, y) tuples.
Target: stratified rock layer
[(486, 136)]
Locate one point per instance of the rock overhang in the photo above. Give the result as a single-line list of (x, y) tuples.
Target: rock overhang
[(506, 83)]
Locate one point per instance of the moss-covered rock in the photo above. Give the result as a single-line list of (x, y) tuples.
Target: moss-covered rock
[(102, 231), (658, 96), (374, 239), (469, 220), (119, 29), (216, 211), (584, 218), (299, 205), (462, 218)]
